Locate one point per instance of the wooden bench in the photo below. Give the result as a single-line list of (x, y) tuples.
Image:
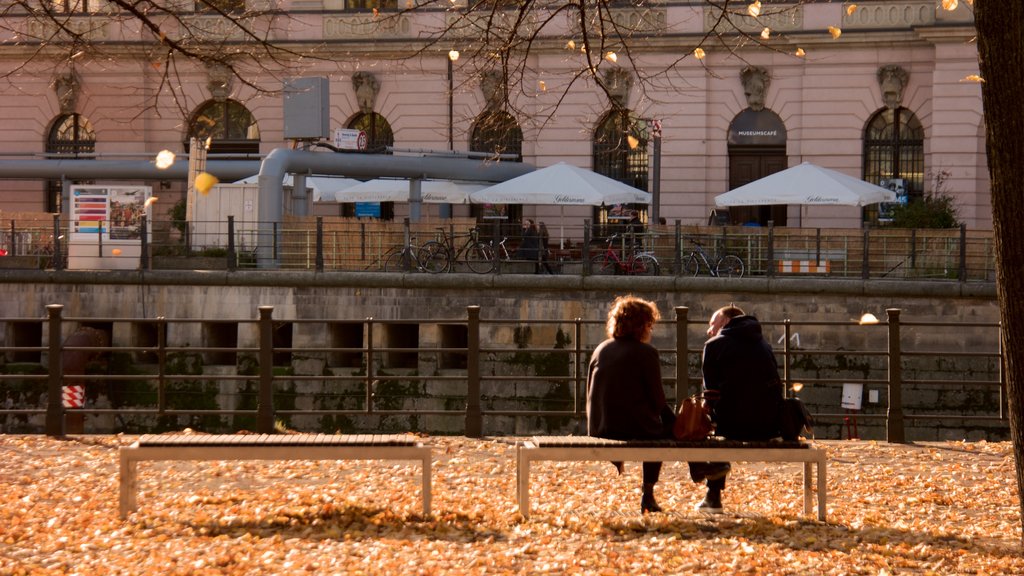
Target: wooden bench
[(268, 447), (582, 448)]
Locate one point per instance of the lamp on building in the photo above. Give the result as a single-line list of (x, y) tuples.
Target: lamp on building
[(633, 141), (453, 55)]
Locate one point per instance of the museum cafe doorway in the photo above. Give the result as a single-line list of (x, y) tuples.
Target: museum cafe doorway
[(757, 148)]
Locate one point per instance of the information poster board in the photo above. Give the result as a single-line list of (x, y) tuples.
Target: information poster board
[(105, 229)]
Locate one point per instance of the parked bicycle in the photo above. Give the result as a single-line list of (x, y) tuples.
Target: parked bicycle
[(494, 252), (403, 259), (436, 256), (728, 266), (637, 263)]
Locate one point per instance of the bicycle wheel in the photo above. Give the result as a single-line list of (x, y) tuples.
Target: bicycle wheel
[(401, 261), (434, 257), (730, 267), (601, 265), (480, 258), (644, 265), (691, 265)]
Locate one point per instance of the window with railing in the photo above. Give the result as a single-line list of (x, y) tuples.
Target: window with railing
[(380, 139), (894, 157), (228, 125), (218, 6), (497, 132), (76, 6), (70, 135), (371, 5), (620, 153)]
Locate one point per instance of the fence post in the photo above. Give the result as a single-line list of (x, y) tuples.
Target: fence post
[(58, 259), (14, 240), (144, 242), (769, 267), (265, 394), (585, 249), (161, 361), (319, 262), (55, 391), (894, 420), (677, 260), (682, 354), (474, 419), (370, 375), (232, 257), (963, 253), (865, 269), (787, 327)]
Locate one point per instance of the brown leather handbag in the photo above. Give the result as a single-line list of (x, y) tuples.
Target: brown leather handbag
[(693, 422)]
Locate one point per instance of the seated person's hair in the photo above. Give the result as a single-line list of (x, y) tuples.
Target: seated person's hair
[(630, 316), (731, 311)]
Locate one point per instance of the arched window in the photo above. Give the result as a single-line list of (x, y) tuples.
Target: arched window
[(379, 136), (497, 132), (70, 135), (379, 140), (894, 156), (620, 152), (229, 125)]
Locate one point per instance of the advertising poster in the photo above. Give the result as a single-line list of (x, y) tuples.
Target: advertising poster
[(113, 211)]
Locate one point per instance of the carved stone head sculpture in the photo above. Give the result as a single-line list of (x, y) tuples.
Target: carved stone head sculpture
[(218, 81), (618, 82), (755, 81), (66, 87), (892, 79), (366, 87), (493, 86)]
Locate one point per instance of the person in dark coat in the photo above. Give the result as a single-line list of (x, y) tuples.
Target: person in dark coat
[(529, 245), (742, 376), (625, 397)]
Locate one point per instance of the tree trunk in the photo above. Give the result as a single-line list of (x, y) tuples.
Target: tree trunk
[(1000, 25)]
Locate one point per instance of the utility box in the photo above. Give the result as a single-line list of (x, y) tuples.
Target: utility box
[(307, 108), (210, 227)]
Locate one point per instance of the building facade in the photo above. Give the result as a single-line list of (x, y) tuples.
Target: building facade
[(882, 91)]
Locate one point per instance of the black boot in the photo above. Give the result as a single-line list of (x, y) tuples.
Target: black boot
[(647, 502)]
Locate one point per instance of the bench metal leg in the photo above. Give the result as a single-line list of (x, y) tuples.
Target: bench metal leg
[(822, 487), (808, 498), (426, 485), (523, 482), (128, 486)]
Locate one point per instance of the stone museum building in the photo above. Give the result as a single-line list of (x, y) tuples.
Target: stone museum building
[(886, 91)]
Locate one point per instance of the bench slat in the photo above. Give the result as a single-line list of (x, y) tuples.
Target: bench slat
[(241, 440)]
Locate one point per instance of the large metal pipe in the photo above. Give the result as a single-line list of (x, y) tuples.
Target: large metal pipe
[(283, 160), (225, 170)]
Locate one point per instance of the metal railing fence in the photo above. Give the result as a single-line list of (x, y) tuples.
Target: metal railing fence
[(472, 367), (348, 244)]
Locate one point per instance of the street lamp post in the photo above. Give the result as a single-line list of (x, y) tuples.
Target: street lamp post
[(453, 55), (656, 172)]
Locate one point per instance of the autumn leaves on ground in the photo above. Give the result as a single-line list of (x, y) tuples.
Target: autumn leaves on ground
[(934, 508)]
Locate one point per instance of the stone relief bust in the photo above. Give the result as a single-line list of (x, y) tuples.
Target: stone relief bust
[(618, 82), (366, 87), (218, 81), (755, 81), (892, 79), (493, 86), (66, 87)]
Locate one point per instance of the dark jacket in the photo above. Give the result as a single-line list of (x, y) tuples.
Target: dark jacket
[(529, 246), (740, 365), (625, 399)]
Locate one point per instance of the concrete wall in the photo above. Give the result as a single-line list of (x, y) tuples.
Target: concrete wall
[(830, 350)]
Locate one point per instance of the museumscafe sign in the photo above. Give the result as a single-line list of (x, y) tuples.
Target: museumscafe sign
[(757, 128)]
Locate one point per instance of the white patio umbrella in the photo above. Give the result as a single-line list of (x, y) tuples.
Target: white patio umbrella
[(324, 187), (561, 185), (806, 184), (397, 190)]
